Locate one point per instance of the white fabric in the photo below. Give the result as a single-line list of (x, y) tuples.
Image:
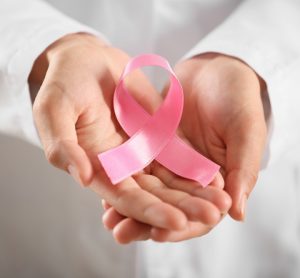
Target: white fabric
[(265, 34)]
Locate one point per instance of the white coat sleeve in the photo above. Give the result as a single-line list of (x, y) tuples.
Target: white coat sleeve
[(27, 27), (266, 35)]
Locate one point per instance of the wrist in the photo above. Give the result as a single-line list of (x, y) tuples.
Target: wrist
[(233, 62), (41, 64)]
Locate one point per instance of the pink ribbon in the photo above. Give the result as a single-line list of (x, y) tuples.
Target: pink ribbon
[(153, 136)]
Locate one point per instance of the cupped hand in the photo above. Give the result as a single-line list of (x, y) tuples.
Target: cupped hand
[(200, 220), (224, 119), (74, 117)]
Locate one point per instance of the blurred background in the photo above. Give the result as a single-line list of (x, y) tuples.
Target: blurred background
[(48, 223)]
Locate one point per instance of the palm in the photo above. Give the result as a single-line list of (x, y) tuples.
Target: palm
[(97, 127), (223, 113)]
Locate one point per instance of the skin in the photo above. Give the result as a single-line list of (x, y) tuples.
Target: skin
[(224, 119), (73, 115), (223, 101)]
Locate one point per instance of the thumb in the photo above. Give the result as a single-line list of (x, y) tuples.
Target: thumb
[(55, 120), (245, 147)]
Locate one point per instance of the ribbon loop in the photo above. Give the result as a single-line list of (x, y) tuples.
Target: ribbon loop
[(153, 136)]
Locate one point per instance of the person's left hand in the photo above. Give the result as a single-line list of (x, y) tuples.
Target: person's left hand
[(224, 119)]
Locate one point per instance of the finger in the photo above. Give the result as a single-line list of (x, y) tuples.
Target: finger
[(55, 120), (219, 198), (111, 218), (218, 181), (130, 230), (244, 153), (213, 194), (196, 209), (130, 200), (192, 230)]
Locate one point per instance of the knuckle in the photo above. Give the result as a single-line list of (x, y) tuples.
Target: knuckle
[(56, 152), (39, 107), (55, 86), (252, 177), (52, 152), (247, 177), (49, 96), (124, 196)]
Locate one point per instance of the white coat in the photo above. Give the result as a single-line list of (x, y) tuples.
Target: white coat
[(51, 228)]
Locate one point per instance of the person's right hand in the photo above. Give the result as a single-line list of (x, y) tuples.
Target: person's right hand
[(75, 120)]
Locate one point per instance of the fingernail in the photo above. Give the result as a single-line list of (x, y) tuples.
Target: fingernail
[(243, 206), (74, 173)]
